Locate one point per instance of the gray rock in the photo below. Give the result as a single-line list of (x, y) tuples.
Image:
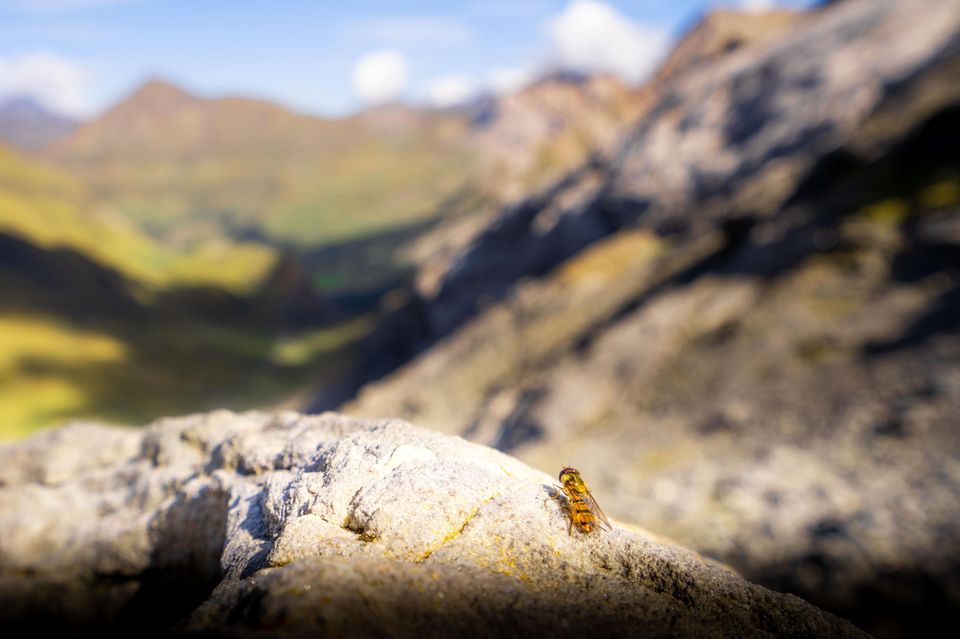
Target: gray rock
[(280, 525), (56, 455), (733, 138)]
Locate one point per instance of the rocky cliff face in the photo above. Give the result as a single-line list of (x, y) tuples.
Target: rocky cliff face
[(533, 137), (745, 322), (723, 31), (286, 525), (547, 149), (724, 141)]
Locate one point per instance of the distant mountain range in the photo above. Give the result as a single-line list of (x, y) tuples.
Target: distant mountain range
[(27, 124), (207, 211), (189, 168)]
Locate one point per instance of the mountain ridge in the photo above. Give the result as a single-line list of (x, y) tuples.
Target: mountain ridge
[(29, 125), (169, 159)]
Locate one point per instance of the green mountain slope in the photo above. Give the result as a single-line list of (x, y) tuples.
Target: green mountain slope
[(98, 320), (49, 209), (188, 168)]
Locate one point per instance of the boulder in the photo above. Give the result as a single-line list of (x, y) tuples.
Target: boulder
[(283, 524)]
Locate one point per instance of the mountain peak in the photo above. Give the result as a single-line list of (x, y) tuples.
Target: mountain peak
[(27, 123), (21, 104), (152, 116), (721, 31), (160, 92)]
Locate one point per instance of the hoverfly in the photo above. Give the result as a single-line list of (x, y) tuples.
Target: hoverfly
[(583, 509)]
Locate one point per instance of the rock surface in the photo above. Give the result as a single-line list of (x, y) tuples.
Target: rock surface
[(284, 525)]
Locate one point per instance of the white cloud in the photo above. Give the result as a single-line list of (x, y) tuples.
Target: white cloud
[(410, 31), (380, 76), (451, 90), (590, 36), (59, 83), (757, 6)]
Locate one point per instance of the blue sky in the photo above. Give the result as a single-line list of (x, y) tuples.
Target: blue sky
[(325, 57)]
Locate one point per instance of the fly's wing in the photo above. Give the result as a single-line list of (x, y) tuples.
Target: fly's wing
[(595, 507)]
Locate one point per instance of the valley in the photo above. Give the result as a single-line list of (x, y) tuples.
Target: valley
[(728, 295)]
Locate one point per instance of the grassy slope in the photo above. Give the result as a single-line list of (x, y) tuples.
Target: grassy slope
[(52, 368), (52, 210)]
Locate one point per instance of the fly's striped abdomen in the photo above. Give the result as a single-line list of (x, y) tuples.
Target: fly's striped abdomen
[(584, 511), (582, 516)]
